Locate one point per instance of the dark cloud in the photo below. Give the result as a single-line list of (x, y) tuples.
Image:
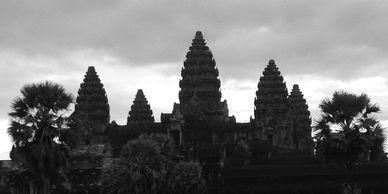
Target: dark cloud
[(339, 39), (342, 40)]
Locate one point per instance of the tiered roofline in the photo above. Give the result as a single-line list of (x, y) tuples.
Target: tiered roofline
[(278, 116), (92, 108), (200, 93), (140, 112), (301, 120)]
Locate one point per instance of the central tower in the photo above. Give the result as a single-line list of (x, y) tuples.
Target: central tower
[(200, 94), (92, 109)]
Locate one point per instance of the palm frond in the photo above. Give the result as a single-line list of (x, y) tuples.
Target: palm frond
[(358, 129)]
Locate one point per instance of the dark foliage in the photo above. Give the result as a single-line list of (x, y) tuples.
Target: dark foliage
[(146, 165), (348, 130), (41, 134)]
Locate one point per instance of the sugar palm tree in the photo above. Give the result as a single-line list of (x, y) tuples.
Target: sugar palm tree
[(348, 130), (40, 132)]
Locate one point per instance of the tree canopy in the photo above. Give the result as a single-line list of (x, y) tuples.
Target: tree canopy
[(149, 165), (348, 129), (40, 133)]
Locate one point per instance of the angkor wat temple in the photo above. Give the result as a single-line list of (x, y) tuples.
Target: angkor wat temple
[(201, 118), (279, 134)]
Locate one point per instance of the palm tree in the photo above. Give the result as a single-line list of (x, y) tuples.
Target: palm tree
[(40, 132), (348, 130)]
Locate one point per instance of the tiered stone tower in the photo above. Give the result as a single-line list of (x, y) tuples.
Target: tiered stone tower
[(272, 121), (92, 108), (301, 120), (140, 112), (200, 93)]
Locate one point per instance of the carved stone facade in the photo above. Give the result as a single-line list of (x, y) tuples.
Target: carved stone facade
[(174, 124), (87, 165)]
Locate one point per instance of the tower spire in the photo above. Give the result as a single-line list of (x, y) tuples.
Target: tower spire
[(92, 108), (200, 93), (301, 120), (272, 108), (140, 112), (198, 35)]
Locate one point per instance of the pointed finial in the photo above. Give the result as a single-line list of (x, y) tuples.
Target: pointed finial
[(271, 62), (140, 92), (91, 69), (198, 35)]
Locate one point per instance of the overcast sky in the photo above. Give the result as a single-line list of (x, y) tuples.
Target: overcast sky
[(321, 45)]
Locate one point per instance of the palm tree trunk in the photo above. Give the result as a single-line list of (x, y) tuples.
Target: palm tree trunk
[(32, 187), (46, 185)]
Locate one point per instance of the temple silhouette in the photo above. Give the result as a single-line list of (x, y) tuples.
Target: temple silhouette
[(280, 119), (202, 128), (279, 134), (200, 123)]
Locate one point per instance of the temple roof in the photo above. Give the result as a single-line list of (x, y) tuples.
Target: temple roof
[(200, 93), (271, 62), (301, 120), (140, 93), (91, 69), (135, 129), (198, 35), (272, 94), (297, 101), (92, 102), (140, 110)]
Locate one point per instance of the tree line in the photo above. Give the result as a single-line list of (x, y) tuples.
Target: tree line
[(347, 132)]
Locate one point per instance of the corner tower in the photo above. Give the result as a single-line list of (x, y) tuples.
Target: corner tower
[(140, 112), (301, 121), (200, 93)]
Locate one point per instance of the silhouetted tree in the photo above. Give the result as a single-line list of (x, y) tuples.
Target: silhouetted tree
[(41, 135), (146, 165), (348, 131)]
